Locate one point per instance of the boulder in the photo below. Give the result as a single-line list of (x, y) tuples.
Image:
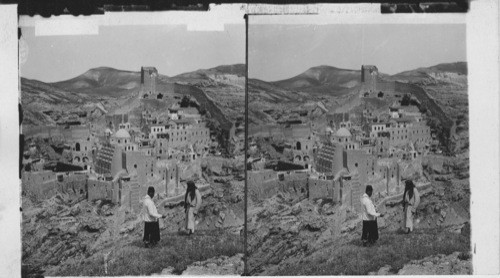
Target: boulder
[(314, 224)]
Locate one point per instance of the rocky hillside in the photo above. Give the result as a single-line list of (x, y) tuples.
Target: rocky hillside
[(37, 97), (338, 90), (103, 82), (447, 85), (65, 236), (290, 235), (453, 73), (117, 90), (323, 80), (237, 70), (88, 97), (222, 89)]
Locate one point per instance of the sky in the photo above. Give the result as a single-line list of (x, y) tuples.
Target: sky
[(278, 52), (170, 48)]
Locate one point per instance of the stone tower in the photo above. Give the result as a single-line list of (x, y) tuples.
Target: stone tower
[(148, 81), (369, 75)]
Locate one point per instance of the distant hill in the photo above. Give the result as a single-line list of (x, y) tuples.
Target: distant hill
[(323, 80), (233, 74), (37, 91), (454, 73), (116, 91), (237, 69), (103, 81), (37, 96), (273, 93)]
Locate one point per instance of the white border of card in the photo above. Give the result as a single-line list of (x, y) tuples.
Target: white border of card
[(482, 57)]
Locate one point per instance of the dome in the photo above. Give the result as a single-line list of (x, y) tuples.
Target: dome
[(108, 131), (328, 130), (343, 132), (122, 133)]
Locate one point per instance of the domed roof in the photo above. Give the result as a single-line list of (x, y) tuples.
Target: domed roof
[(122, 133), (343, 132), (108, 131), (328, 130)]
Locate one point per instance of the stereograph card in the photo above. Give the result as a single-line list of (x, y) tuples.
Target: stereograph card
[(251, 139)]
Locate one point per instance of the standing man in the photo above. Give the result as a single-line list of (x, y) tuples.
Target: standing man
[(369, 215), (150, 217), (411, 200)]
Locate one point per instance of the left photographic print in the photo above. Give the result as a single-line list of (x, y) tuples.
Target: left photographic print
[(132, 152)]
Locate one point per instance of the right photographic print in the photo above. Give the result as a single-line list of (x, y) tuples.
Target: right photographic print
[(358, 149)]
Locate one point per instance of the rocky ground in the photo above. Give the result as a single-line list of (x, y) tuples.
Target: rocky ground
[(284, 228), (222, 208), (57, 229), (290, 235), (457, 263), (222, 265), (62, 232)]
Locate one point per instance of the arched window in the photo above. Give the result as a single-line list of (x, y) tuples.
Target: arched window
[(77, 147)]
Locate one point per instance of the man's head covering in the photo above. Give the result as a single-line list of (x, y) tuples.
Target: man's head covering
[(191, 185), (409, 184), (191, 191)]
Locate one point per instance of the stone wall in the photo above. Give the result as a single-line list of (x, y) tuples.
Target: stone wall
[(32, 178), (45, 190), (135, 197), (137, 163), (266, 183), (321, 189), (100, 190), (280, 131), (386, 86), (354, 191), (358, 161), (41, 185), (75, 185)]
